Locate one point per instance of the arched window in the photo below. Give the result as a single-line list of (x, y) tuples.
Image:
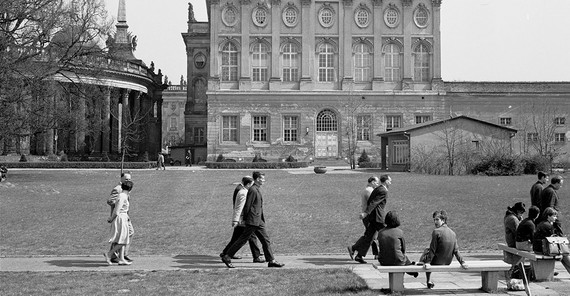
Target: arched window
[(362, 63), (421, 63), (290, 62), (392, 63), (326, 121), (259, 64), (229, 62), (326, 63)]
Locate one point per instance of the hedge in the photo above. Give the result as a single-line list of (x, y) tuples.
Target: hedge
[(256, 165), (365, 165), (78, 165)]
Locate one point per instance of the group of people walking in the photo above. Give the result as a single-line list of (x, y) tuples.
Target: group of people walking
[(542, 220), (387, 240)]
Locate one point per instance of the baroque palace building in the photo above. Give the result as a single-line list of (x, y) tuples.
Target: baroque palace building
[(116, 105), (279, 78)]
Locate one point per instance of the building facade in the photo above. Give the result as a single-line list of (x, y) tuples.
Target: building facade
[(304, 77)]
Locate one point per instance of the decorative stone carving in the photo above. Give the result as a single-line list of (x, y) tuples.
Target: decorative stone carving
[(407, 3), (436, 3)]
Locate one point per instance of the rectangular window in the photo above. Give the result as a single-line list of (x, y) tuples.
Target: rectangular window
[(422, 118), (393, 121), (290, 63), (560, 120), (559, 137), (290, 128), (401, 152), (173, 123), (505, 121), (199, 135), (532, 137), (229, 129), (363, 123), (260, 128)]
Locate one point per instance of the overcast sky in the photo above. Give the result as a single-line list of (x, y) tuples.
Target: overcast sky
[(482, 40)]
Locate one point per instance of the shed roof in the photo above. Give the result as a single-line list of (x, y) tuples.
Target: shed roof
[(407, 129)]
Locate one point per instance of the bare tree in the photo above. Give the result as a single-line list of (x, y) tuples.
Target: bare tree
[(42, 41), (545, 136), (356, 127)]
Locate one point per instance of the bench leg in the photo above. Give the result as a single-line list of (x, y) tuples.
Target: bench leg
[(489, 280), (543, 270), (396, 280)]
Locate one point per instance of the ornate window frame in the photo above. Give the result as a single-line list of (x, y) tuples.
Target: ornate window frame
[(362, 16), (421, 9), (259, 13), (290, 8), (391, 12), (323, 16), (226, 13)]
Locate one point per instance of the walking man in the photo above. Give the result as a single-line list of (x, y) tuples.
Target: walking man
[(374, 214), (240, 196), (549, 198), (254, 224), (373, 182), (537, 188)]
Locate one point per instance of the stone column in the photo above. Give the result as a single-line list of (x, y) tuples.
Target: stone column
[(245, 65), (106, 121), (215, 20), (408, 22), (345, 46), (275, 80), (308, 56), (81, 123), (437, 83), (378, 77)]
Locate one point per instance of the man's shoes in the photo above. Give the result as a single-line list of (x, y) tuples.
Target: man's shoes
[(555, 273), (430, 285), (350, 252), (359, 260), (258, 260), (115, 260), (414, 274), (227, 261), (125, 263), (127, 258), (275, 264)]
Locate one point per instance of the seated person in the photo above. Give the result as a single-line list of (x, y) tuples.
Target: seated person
[(392, 244), (525, 231), (443, 246), (545, 229)]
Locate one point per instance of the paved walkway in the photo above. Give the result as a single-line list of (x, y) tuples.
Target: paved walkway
[(446, 283)]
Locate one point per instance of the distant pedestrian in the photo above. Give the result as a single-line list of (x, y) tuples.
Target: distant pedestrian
[(188, 158), (537, 188), (120, 226), (160, 162), (443, 246), (374, 214), (254, 223), (239, 198), (549, 199), (3, 173), (392, 243)]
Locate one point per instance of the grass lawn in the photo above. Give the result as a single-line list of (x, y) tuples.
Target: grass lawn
[(63, 212), (218, 282)]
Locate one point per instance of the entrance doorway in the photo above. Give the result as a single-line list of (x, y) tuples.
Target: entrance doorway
[(326, 139)]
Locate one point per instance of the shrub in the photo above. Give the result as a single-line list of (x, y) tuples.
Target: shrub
[(79, 165), (256, 165), (23, 158), (535, 163), (220, 158), (364, 165), (499, 165), (363, 157), (290, 159)]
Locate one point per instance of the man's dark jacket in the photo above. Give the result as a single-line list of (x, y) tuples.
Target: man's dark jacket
[(376, 204), (253, 209)]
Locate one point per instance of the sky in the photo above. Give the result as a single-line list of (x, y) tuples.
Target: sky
[(482, 40)]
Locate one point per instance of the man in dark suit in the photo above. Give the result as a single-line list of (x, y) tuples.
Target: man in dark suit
[(254, 221), (374, 213)]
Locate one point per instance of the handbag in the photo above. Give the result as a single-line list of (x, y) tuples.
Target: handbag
[(555, 245)]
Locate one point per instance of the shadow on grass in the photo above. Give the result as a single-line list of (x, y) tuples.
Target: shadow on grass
[(320, 261), (69, 263), (199, 262)]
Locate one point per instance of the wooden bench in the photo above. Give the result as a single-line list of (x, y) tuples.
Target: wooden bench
[(490, 270), (542, 266)]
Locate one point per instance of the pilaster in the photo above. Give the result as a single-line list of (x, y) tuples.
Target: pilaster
[(245, 65), (308, 57), (408, 22), (345, 50), (378, 63)]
